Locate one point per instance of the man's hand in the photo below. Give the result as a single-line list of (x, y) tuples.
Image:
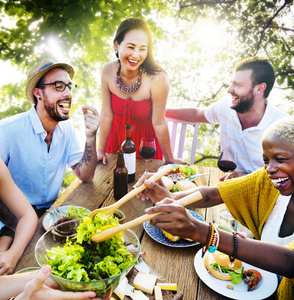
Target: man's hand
[(8, 262), (92, 120), (155, 191), (231, 175)]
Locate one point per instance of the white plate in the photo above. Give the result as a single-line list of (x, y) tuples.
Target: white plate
[(264, 289), (193, 177), (48, 218), (156, 234)]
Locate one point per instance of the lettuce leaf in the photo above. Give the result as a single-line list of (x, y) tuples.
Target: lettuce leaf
[(236, 277)]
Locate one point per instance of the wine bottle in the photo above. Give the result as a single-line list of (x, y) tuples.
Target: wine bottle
[(120, 177), (129, 149)]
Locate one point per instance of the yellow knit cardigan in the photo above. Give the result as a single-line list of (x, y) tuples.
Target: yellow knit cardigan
[(250, 199)]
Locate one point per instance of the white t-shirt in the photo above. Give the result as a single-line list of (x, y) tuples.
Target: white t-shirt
[(245, 143), (271, 228)]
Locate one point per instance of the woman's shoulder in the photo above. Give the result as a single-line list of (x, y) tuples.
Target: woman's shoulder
[(110, 67)]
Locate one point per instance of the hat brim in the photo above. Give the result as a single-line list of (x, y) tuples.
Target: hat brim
[(35, 79)]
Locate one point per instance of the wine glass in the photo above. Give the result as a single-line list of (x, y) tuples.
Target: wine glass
[(147, 149), (226, 163)]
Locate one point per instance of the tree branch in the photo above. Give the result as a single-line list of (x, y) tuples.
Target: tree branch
[(274, 27), (268, 24), (208, 3)]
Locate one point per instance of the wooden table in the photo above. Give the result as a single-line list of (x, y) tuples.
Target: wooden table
[(174, 264)]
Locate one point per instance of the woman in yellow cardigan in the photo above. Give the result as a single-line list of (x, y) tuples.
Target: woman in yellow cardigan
[(262, 201)]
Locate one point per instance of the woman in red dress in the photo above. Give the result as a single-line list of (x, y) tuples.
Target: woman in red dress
[(134, 91)]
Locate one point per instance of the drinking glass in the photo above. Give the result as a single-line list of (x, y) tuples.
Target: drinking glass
[(226, 163), (147, 149)]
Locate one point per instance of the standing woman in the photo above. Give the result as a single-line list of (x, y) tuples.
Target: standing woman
[(134, 91)]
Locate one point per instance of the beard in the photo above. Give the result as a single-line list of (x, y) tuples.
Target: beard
[(245, 103), (52, 110)]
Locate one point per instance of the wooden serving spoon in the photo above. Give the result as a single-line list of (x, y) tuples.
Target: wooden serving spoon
[(108, 233), (112, 208)]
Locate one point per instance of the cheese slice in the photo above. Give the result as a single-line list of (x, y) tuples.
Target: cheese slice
[(120, 290), (167, 286), (145, 282), (158, 293), (138, 295)]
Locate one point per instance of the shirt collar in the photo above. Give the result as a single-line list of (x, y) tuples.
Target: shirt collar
[(37, 124)]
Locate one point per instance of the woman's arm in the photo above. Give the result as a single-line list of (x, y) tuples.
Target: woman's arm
[(15, 200), (159, 88), (106, 113), (268, 256)]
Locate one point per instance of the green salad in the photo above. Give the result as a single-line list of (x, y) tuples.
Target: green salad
[(80, 259), (76, 212)]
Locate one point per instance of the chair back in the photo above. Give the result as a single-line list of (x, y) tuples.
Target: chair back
[(181, 138)]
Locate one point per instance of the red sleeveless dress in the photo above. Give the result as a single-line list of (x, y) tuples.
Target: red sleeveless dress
[(136, 113)]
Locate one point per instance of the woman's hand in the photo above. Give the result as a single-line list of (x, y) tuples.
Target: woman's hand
[(175, 219), (36, 290), (101, 156), (155, 191)]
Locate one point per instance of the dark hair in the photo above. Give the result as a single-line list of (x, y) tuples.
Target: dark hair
[(150, 66), (262, 71)]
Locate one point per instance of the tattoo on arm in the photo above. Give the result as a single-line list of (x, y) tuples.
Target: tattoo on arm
[(207, 198), (84, 160)]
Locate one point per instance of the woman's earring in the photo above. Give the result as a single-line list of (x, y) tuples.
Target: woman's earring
[(116, 53)]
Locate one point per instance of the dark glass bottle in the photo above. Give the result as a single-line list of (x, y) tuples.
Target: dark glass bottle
[(129, 149), (120, 177)]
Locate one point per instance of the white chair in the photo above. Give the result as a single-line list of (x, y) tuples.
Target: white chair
[(181, 139)]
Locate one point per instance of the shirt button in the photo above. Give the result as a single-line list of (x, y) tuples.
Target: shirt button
[(46, 164), (43, 200), (45, 183)]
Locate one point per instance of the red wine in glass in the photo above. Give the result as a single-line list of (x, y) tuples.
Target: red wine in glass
[(224, 164), (147, 148)]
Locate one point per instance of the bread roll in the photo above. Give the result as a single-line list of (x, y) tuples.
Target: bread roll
[(185, 185), (168, 182)]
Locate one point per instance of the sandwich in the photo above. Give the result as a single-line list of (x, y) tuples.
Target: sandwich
[(185, 185), (219, 266)]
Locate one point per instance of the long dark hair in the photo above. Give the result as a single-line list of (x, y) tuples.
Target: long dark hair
[(150, 66)]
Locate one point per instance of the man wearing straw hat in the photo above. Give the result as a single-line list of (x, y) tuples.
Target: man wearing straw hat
[(37, 145)]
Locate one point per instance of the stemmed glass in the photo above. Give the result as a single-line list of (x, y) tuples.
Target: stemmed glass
[(226, 163), (147, 149)]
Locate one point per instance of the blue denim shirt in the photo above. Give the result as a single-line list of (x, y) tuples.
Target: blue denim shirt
[(37, 172)]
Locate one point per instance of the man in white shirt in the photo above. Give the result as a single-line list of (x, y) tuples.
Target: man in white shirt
[(244, 118)]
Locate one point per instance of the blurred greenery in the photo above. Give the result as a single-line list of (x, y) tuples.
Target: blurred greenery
[(198, 61)]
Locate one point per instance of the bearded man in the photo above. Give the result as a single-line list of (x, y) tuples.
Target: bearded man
[(37, 145), (244, 117)]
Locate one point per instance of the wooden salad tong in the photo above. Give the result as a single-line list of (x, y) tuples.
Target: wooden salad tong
[(108, 233), (112, 208)]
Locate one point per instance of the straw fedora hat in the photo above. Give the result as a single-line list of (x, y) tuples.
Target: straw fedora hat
[(39, 70)]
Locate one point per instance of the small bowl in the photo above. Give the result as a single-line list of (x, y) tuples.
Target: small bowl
[(103, 288), (120, 215)]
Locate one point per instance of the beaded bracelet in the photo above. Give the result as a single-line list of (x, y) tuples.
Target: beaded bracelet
[(215, 241), (209, 238), (235, 241)]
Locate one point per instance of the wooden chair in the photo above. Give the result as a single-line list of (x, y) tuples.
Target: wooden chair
[(181, 138)]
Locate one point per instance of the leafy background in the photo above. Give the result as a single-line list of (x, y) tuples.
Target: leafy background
[(196, 41)]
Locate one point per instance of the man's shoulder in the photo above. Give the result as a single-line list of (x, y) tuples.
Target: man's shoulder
[(275, 112), (15, 119)]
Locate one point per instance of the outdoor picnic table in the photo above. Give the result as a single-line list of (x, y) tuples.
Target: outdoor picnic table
[(173, 264)]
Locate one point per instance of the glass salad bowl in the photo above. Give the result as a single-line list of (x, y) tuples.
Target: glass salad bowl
[(102, 287)]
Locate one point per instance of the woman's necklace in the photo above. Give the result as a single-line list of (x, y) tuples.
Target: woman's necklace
[(122, 86)]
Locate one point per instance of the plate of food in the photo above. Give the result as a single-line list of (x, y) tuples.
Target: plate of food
[(166, 239), (182, 173), (258, 284), (67, 211)]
